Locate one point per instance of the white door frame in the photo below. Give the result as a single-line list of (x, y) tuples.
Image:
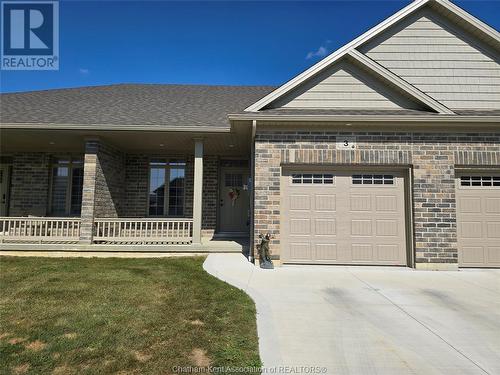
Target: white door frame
[(221, 170), (5, 195)]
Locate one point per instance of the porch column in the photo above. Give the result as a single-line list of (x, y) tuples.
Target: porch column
[(197, 190), (88, 194)]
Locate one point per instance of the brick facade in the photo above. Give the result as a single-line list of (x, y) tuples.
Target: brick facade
[(210, 195), (136, 185), (136, 188), (115, 185), (110, 181), (29, 184), (432, 158), (121, 185)]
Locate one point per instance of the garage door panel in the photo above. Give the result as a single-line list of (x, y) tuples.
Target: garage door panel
[(387, 228), (478, 219), (361, 203), (389, 253), (493, 229), (343, 222), (326, 252), (300, 251), (470, 205), (300, 227), (473, 254), (386, 203), (472, 229), (362, 252), (300, 202), (325, 227), (325, 202), (492, 206), (361, 227), (494, 255)]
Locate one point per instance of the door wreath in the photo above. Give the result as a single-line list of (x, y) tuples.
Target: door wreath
[(234, 194)]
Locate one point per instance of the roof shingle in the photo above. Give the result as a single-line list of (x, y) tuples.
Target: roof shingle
[(131, 104), (161, 105)]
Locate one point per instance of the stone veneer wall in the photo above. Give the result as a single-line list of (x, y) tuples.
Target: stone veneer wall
[(29, 192), (136, 188), (433, 157)]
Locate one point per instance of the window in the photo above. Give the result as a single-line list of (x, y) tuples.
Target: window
[(233, 163), (480, 181), (66, 186), (309, 178), (166, 187), (233, 180), (373, 179)]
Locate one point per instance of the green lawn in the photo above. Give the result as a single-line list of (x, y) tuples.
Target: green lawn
[(126, 316)]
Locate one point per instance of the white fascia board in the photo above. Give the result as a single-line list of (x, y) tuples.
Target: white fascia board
[(114, 127), (477, 23), (495, 120)]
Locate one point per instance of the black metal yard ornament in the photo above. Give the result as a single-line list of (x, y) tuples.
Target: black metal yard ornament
[(263, 249)]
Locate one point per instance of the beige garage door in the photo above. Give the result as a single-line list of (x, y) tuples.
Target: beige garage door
[(343, 218), (478, 219)]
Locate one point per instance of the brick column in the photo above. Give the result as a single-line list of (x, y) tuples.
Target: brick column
[(89, 189), (267, 190), (435, 228)]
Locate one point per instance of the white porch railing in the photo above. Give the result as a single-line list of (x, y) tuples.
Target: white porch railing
[(112, 230), (55, 229)]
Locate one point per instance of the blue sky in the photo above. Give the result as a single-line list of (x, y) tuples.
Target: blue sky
[(231, 43)]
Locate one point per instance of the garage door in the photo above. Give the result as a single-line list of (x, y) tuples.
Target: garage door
[(478, 219), (343, 218)]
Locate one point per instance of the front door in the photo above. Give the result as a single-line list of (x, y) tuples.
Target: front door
[(234, 202), (4, 189)]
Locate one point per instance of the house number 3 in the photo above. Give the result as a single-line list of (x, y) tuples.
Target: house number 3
[(344, 143)]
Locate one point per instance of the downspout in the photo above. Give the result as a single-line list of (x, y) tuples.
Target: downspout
[(252, 193)]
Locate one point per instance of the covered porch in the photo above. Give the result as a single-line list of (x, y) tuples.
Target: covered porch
[(164, 191)]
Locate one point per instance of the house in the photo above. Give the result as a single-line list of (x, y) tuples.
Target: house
[(386, 152)]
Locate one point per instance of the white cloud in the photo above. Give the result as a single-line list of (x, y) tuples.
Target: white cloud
[(322, 51), (84, 71)]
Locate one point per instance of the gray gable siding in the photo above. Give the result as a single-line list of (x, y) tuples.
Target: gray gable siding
[(344, 86), (441, 60)]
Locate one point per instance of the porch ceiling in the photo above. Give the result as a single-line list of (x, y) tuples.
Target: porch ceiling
[(233, 143)]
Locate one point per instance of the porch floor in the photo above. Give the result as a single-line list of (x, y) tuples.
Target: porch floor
[(236, 245)]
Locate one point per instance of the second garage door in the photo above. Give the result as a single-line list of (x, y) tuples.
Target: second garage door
[(478, 219), (343, 218)]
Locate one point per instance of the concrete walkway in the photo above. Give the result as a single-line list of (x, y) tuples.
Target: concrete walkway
[(372, 320)]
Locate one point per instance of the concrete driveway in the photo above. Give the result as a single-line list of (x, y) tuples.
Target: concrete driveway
[(371, 320)]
